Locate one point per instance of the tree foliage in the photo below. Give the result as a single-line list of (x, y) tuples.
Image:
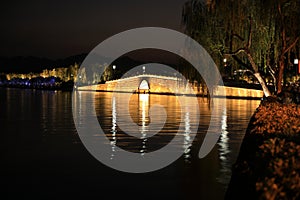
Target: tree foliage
[(262, 34)]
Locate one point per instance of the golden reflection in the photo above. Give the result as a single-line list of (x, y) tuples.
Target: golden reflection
[(114, 128), (223, 143), (144, 119), (187, 143), (143, 110), (224, 150)]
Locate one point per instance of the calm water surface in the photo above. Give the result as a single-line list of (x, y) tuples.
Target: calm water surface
[(42, 155)]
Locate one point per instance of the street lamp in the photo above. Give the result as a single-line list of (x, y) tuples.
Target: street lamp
[(225, 62), (225, 66), (114, 67), (144, 68)]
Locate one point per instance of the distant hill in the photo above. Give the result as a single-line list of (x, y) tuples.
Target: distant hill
[(28, 64)]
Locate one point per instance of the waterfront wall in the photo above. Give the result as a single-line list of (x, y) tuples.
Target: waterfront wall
[(232, 92)]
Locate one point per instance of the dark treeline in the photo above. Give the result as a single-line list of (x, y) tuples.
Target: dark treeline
[(18, 71), (31, 64)]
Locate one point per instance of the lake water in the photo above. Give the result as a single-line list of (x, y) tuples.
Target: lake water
[(43, 156)]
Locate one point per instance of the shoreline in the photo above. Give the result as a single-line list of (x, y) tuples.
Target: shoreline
[(40, 88), (71, 89), (174, 94), (199, 91)]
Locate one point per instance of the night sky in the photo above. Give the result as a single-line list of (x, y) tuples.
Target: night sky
[(57, 29)]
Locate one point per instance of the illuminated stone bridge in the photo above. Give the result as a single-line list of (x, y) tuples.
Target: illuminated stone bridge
[(148, 83)]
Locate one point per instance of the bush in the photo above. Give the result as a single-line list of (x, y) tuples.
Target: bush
[(276, 118), (281, 179), (268, 166)]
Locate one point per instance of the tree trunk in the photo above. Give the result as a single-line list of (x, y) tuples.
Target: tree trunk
[(258, 76), (263, 84), (280, 76)]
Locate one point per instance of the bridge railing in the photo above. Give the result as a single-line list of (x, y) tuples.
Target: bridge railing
[(146, 76)]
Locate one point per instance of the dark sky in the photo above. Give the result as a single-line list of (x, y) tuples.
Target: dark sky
[(57, 29)]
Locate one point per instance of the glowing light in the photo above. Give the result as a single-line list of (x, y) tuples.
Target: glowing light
[(224, 60), (296, 61)]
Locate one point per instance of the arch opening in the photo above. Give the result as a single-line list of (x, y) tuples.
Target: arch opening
[(144, 85)]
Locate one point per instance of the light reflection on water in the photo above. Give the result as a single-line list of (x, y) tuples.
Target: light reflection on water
[(224, 151), (140, 113), (233, 122), (113, 128), (143, 119), (187, 143), (40, 130)]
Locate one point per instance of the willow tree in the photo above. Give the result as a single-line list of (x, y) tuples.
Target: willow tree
[(255, 34), (288, 17)]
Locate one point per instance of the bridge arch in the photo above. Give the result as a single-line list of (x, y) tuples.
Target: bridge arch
[(144, 86)]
